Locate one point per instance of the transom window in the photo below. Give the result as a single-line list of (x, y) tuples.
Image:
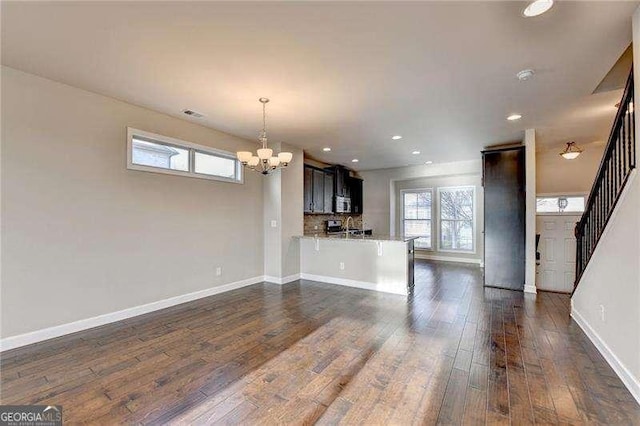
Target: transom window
[(560, 204), (161, 154), (457, 218), (416, 216)]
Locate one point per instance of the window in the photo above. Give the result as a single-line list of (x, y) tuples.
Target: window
[(575, 204), (416, 216), (161, 154), (457, 218)]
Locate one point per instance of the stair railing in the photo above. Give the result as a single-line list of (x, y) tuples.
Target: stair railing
[(618, 161)]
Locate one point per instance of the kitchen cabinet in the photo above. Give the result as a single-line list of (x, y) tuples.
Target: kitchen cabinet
[(308, 189), (341, 185), (318, 190), (355, 187), (328, 192)]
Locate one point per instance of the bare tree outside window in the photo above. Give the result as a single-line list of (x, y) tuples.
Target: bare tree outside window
[(456, 218)]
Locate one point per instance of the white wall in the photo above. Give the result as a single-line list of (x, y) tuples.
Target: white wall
[(434, 183), (83, 236), (612, 278)]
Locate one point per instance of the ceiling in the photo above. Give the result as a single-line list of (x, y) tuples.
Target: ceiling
[(347, 75)]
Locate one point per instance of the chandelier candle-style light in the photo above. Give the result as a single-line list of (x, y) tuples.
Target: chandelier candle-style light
[(264, 162)]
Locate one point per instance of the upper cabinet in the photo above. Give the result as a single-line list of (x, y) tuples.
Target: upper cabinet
[(318, 190), (322, 186), (355, 185), (341, 187)]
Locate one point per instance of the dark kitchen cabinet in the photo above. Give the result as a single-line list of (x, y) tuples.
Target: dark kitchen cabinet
[(328, 192), (318, 190), (504, 218), (308, 189), (341, 185), (355, 187)]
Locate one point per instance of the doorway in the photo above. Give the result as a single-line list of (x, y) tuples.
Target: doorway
[(556, 270)]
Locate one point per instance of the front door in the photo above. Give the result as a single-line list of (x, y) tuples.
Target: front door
[(557, 247)]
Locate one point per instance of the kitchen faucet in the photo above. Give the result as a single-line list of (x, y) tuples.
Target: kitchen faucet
[(347, 224)]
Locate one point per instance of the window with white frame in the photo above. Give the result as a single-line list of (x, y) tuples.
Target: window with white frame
[(416, 216), (457, 218), (161, 154), (569, 204)]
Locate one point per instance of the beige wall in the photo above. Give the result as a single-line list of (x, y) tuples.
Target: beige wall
[(555, 175), (83, 236)]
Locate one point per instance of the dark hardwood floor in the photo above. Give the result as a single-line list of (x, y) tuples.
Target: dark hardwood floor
[(306, 352)]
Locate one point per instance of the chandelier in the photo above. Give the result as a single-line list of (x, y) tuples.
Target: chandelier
[(264, 162), (571, 152)]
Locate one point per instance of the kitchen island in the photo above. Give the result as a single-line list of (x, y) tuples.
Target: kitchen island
[(373, 262)]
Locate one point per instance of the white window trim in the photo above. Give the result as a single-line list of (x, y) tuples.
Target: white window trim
[(561, 194), (473, 222), (412, 191), (178, 143)]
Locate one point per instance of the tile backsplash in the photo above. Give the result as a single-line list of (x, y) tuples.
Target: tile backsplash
[(319, 220)]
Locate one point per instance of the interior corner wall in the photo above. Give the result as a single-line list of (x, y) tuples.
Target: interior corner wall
[(83, 236)]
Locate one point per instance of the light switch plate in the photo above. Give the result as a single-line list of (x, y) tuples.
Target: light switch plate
[(274, 224)]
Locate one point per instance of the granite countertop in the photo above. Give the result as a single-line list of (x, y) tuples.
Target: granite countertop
[(344, 237)]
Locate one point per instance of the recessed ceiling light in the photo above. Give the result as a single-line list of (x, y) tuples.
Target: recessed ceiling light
[(326, 149), (514, 117), (428, 162), (192, 113), (537, 7), (355, 160), (416, 152), (396, 137)]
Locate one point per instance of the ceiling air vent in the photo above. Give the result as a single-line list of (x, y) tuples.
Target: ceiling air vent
[(192, 113)]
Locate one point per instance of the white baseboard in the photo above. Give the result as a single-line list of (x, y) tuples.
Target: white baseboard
[(354, 283), (84, 324), (449, 259), (530, 289), (283, 280), (632, 383)]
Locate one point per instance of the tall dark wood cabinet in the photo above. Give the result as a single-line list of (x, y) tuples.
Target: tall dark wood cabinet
[(356, 195), (504, 217)]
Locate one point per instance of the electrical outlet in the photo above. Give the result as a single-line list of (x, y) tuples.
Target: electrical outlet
[(315, 227), (602, 312), (342, 266), (218, 271), (274, 224)]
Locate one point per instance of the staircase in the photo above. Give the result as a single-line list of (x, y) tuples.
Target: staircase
[(617, 163)]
